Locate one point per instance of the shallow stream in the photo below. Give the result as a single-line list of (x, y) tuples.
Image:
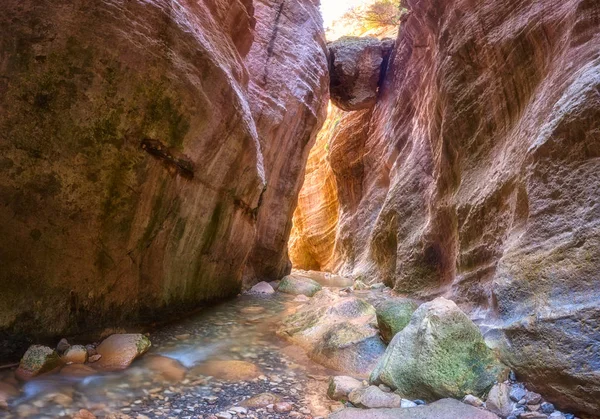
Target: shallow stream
[(204, 365)]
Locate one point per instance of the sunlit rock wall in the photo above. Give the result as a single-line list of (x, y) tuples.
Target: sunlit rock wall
[(313, 236)]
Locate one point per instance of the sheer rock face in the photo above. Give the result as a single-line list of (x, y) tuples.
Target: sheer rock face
[(289, 93), (132, 166), (480, 180)]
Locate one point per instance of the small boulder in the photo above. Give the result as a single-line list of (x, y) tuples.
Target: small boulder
[(283, 407), (517, 393), (261, 401), (7, 392), (94, 358), (37, 360), (547, 408), (473, 401), (75, 354), (296, 285), (117, 352), (373, 398), (262, 288), (533, 415), (91, 350), (84, 414), (393, 315), (532, 398), (62, 346), (341, 386), (440, 353), (498, 400)]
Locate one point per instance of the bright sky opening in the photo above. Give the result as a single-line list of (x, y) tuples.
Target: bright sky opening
[(334, 9)]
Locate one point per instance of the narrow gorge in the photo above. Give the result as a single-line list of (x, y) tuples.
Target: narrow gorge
[(224, 209)]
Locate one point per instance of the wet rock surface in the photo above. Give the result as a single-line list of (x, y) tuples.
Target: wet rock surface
[(341, 386), (120, 350), (262, 288), (372, 397)]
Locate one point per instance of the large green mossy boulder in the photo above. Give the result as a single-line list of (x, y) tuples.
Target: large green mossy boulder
[(440, 353), (299, 285), (393, 316)]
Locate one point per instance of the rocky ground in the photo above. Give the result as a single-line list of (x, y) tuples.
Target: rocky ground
[(203, 367), (271, 355)]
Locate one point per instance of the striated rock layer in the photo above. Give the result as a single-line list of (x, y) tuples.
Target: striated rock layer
[(288, 96), (134, 161), (479, 180), (312, 240)]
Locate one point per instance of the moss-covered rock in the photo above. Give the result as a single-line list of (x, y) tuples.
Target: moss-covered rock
[(441, 353), (37, 360), (338, 332), (393, 316), (296, 285)]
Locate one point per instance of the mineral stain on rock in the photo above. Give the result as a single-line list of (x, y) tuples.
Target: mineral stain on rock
[(175, 163)]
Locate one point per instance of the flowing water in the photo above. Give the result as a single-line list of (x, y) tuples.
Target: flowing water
[(200, 366)]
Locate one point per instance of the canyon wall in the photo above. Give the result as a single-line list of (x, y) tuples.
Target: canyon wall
[(315, 220), (477, 176), (135, 169), (289, 82)]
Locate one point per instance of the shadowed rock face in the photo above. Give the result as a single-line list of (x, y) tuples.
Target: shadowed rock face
[(133, 168), (480, 180)]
